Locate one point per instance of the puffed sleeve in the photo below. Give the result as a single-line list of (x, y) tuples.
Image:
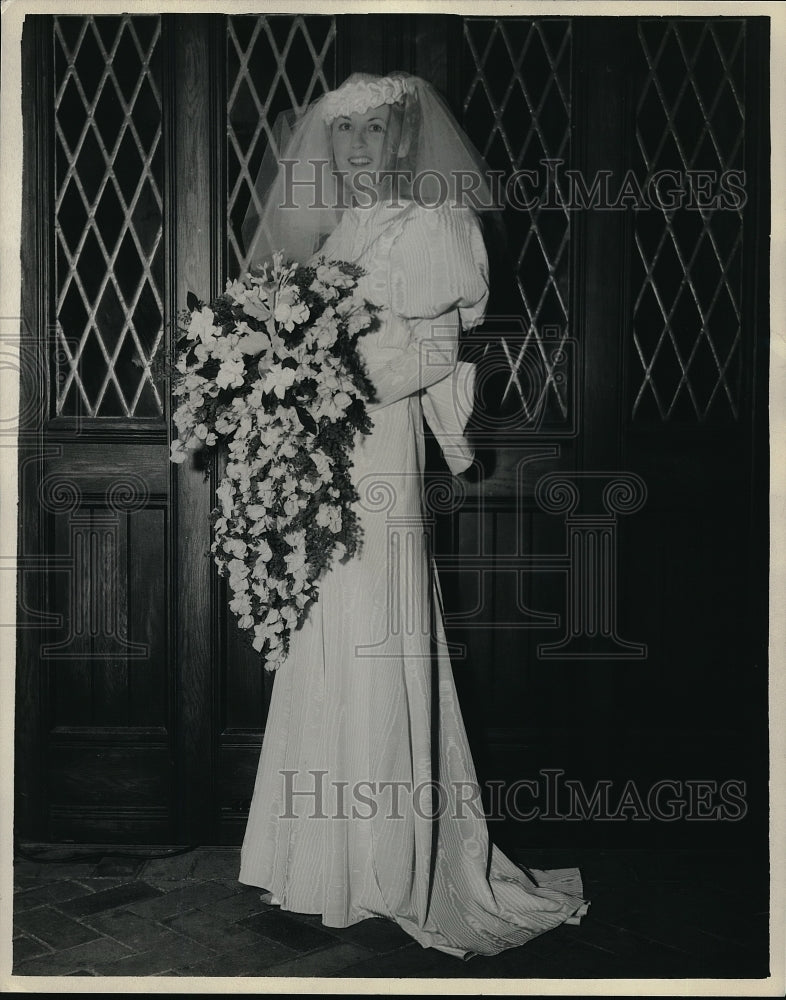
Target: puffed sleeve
[(439, 264), (438, 274)]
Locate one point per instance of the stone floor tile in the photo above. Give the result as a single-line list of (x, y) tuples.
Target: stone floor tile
[(413, 960), (28, 947), (377, 934), (253, 960), (217, 863), (24, 882), (54, 928), (181, 900), (325, 962), (130, 929), (667, 926), (653, 914), (278, 926), (202, 926), (235, 907), (97, 884), (82, 956), (611, 903), (172, 951), (108, 899), (164, 883), (48, 892), (630, 950)]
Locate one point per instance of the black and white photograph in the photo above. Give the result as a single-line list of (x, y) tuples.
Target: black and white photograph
[(391, 497)]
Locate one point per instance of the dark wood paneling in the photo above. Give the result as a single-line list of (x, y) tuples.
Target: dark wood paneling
[(244, 701), (29, 742), (195, 218), (149, 582), (95, 825), (109, 775)]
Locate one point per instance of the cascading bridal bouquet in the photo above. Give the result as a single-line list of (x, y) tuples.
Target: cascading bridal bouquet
[(271, 370)]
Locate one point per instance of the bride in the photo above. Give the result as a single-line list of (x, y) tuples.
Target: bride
[(366, 801)]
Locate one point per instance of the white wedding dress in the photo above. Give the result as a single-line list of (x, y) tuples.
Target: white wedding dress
[(366, 702)]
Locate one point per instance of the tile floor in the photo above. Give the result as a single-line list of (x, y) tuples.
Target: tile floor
[(653, 914)]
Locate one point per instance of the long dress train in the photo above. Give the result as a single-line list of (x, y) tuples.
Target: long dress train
[(366, 801)]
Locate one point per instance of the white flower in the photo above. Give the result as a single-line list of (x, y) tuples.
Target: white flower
[(278, 380), (252, 341), (178, 452), (224, 424), (235, 289), (291, 315), (225, 494), (226, 349), (346, 306), (193, 381), (255, 304), (291, 506), (238, 574), (202, 326), (256, 511), (231, 373), (323, 462), (265, 553), (290, 616), (273, 622), (358, 321), (329, 516), (332, 275), (241, 604), (266, 494), (236, 547), (342, 400)]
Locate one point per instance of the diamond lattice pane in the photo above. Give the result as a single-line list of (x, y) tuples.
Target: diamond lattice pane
[(274, 63), (690, 136), (109, 267), (517, 111)]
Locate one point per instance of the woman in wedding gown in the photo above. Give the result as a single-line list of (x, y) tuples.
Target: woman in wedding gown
[(366, 801)]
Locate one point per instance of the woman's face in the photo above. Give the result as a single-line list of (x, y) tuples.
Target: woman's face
[(365, 143)]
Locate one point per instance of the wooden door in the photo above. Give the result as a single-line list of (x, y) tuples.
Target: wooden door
[(611, 582), (611, 412), (96, 732)]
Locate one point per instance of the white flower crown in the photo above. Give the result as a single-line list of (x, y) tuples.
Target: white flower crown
[(361, 95)]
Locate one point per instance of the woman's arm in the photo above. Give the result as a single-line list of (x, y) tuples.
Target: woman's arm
[(438, 275), (430, 356)]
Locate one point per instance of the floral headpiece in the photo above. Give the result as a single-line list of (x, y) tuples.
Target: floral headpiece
[(360, 95)]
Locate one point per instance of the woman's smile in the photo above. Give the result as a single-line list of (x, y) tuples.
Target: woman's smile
[(364, 145)]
